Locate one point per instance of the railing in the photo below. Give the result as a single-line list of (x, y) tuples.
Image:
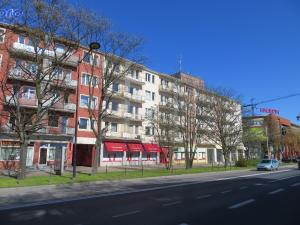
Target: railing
[(134, 97), (21, 101), (134, 79), (70, 60), (122, 134)]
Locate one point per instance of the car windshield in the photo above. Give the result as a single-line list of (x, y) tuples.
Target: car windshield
[(266, 161)]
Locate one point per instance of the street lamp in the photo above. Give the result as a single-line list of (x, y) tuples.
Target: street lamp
[(93, 46)]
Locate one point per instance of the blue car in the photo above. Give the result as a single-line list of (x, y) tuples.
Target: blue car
[(268, 164)]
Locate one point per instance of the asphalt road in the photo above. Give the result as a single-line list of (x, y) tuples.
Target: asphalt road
[(247, 198)]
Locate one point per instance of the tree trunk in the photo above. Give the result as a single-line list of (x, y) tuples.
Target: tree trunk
[(95, 162), (23, 159), (225, 159)]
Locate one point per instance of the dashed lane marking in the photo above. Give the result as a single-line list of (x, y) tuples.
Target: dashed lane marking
[(171, 203), (235, 206), (276, 191), (126, 214)]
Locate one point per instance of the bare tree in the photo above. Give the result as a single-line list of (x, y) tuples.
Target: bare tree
[(47, 27), (192, 111), (224, 124), (165, 122), (120, 59)]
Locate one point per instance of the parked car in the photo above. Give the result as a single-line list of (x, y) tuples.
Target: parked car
[(268, 164)]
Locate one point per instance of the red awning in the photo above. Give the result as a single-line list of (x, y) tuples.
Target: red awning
[(151, 147), (115, 146), (135, 147)]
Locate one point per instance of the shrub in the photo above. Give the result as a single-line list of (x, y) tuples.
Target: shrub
[(242, 162)]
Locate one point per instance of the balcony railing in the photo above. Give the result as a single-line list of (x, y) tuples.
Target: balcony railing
[(57, 130), (135, 80), (123, 135), (134, 97), (31, 102), (29, 50)]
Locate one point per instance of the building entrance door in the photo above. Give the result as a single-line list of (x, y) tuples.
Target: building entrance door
[(43, 156)]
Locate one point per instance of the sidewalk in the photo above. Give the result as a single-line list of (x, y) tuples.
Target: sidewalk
[(49, 193)]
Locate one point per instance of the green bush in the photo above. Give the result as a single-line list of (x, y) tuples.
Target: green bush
[(241, 163)]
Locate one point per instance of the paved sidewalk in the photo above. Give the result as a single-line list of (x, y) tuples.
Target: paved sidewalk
[(43, 194)]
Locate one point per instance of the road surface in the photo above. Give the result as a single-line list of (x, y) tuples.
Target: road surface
[(243, 198)]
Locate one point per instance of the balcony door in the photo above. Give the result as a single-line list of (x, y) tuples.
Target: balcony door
[(64, 124)]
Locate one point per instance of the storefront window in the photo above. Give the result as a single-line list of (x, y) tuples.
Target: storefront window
[(9, 153)]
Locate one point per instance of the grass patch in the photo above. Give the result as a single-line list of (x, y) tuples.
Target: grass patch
[(6, 182)]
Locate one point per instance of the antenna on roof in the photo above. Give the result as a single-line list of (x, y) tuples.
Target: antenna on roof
[(180, 62)]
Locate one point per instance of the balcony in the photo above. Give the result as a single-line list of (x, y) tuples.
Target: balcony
[(167, 89), (30, 51), (68, 107), (123, 135), (24, 102), (138, 81), (132, 116), (57, 130), (134, 97)]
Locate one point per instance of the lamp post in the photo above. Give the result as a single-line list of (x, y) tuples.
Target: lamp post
[(92, 46)]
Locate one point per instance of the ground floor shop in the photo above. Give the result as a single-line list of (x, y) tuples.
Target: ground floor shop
[(39, 154), (119, 153)]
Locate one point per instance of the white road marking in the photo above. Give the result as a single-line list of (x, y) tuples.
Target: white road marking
[(183, 224), (241, 204), (295, 185), (276, 191), (126, 214), (225, 192), (172, 203), (280, 179), (258, 184), (243, 187), (103, 195), (203, 196)]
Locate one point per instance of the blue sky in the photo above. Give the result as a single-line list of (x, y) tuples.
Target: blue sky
[(251, 46)]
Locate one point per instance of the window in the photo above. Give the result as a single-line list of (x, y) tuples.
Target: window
[(130, 108), (87, 57), (114, 106), (83, 123), (66, 97), (115, 87), (148, 130), (85, 79), (84, 101), (148, 77), (96, 60), (130, 90), (0, 59), (2, 35), (9, 153), (148, 95), (137, 74), (21, 39), (53, 120), (153, 96), (114, 127), (149, 113), (136, 129), (60, 48), (31, 68), (153, 79), (29, 93), (30, 42)]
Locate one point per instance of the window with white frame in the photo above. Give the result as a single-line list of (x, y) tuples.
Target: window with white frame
[(53, 119), (149, 131), (114, 106), (85, 79), (153, 79), (83, 123), (153, 96), (84, 101), (114, 127), (29, 93), (9, 153), (86, 57), (21, 39), (148, 77), (2, 35), (115, 87), (130, 109), (148, 96)]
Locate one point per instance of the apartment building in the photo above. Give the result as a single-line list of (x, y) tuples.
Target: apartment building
[(130, 139), (16, 52)]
